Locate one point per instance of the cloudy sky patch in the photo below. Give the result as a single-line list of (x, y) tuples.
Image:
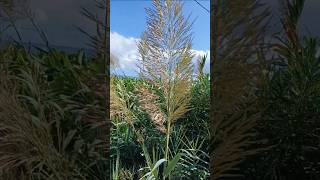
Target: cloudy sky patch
[(126, 52)]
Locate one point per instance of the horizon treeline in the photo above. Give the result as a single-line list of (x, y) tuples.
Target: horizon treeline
[(65, 115)]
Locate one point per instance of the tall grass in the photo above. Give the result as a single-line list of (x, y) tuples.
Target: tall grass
[(151, 116), (256, 98), (136, 136), (238, 63), (49, 116)]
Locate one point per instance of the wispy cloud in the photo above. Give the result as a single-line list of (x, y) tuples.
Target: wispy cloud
[(126, 51)]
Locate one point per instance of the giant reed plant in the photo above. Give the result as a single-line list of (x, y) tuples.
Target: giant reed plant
[(238, 38), (52, 134), (165, 50), (163, 96)]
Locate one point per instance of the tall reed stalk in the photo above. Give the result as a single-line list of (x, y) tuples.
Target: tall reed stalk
[(237, 37), (165, 51)]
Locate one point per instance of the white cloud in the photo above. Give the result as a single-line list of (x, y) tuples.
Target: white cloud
[(198, 54), (126, 51)]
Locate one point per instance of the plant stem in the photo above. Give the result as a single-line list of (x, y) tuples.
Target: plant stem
[(167, 141)]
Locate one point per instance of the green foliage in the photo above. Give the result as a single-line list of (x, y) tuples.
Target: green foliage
[(136, 139), (290, 99), (53, 91)]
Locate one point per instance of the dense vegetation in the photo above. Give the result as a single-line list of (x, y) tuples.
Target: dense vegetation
[(137, 138), (50, 116), (264, 102), (53, 113), (160, 120), (266, 94)]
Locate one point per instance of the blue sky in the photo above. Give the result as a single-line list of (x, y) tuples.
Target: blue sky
[(128, 21), (128, 17)]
